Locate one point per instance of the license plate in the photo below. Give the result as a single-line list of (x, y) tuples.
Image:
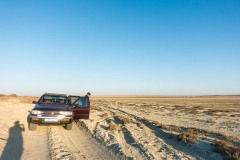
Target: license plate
[(51, 120)]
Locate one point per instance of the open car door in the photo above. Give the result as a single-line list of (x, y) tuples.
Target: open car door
[(81, 106)]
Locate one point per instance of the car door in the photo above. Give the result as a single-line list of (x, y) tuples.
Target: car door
[(81, 106)]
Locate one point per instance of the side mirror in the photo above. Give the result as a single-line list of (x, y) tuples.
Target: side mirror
[(34, 102)]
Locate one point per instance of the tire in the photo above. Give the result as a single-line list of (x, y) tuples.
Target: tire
[(68, 126), (32, 126)]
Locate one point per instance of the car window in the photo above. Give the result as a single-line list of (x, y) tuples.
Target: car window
[(73, 99), (53, 100), (83, 102)]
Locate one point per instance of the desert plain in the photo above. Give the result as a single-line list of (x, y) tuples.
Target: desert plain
[(128, 127)]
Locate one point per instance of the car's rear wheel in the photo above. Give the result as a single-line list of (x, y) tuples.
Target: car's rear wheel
[(68, 126), (32, 126)]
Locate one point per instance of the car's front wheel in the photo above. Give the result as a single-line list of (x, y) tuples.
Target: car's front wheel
[(32, 126), (68, 126)]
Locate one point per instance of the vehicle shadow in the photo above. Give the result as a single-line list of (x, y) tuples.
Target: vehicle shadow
[(14, 147)]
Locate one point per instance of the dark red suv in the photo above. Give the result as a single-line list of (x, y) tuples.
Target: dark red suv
[(59, 109)]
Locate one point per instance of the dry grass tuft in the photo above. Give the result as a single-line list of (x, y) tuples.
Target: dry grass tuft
[(213, 112), (124, 119), (193, 112), (112, 127), (198, 107), (212, 121), (190, 135), (173, 128), (227, 148), (105, 115), (156, 123), (162, 126), (94, 107)]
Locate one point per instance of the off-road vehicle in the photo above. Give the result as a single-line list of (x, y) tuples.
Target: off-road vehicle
[(58, 109)]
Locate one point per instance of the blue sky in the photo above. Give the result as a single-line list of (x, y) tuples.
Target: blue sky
[(156, 47)]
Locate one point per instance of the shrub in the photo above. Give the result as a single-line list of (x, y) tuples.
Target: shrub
[(221, 146), (162, 126), (126, 120), (156, 123), (236, 155), (123, 119), (227, 148), (174, 128), (13, 95), (190, 135)]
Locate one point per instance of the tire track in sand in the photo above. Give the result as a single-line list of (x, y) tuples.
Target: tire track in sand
[(75, 144)]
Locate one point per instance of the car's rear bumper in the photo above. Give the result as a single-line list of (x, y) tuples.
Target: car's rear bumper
[(60, 120)]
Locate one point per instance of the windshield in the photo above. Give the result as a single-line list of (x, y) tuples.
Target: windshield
[(51, 99)]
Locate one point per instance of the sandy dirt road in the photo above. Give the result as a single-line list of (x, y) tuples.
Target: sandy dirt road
[(47, 142)]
